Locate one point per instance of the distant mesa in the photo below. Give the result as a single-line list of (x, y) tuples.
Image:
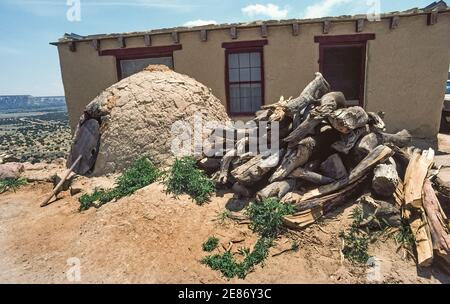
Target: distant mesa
[(12, 102)]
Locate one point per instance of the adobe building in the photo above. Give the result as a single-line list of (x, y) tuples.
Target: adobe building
[(398, 64)]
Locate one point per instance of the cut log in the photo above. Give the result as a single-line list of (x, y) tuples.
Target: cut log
[(348, 119), (378, 155), (334, 167), (311, 177), (276, 189), (415, 176), (376, 121), (295, 158), (225, 166), (437, 222), (376, 213), (368, 142), (328, 103), (313, 92), (400, 139), (385, 178), (348, 141), (304, 129), (256, 169), (332, 200), (443, 181), (363, 147), (312, 165)]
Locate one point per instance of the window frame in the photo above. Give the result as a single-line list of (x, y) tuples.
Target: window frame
[(140, 53), (239, 48)]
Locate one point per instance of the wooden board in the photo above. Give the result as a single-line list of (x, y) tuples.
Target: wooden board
[(85, 143), (416, 173)]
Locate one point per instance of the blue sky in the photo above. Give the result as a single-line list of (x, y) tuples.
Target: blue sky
[(29, 65)]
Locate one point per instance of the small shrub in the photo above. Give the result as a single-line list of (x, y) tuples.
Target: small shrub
[(185, 178), (356, 242), (210, 244), (230, 268), (11, 184), (141, 173), (225, 263), (356, 245), (267, 217)]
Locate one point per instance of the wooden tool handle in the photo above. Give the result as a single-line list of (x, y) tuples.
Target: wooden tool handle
[(46, 202)]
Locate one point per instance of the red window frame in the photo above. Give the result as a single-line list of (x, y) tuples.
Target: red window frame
[(140, 53), (256, 46)]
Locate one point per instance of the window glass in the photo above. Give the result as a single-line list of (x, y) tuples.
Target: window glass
[(132, 66), (245, 82)]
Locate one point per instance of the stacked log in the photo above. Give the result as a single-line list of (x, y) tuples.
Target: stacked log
[(328, 154)]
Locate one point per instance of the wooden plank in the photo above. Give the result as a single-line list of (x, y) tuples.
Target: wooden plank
[(85, 143), (96, 44), (295, 29), (175, 37), (326, 26), (72, 46), (233, 32), (303, 219), (416, 173), (204, 35), (121, 42), (432, 18), (264, 31), (421, 231), (395, 21), (148, 40), (437, 222), (360, 25), (379, 154)]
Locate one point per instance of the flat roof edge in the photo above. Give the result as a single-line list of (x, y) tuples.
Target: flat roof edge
[(253, 24)]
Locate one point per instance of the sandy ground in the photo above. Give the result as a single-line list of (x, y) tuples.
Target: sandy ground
[(152, 237)]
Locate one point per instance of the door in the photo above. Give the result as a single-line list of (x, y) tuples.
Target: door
[(343, 66)]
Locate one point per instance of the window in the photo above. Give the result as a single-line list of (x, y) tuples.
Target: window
[(129, 67), (133, 60), (244, 77)]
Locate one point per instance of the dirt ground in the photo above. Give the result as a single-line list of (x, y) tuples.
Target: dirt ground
[(152, 237)]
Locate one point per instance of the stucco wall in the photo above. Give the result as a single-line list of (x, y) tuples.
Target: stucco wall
[(405, 76)]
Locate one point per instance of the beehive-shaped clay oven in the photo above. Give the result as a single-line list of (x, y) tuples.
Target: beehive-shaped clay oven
[(134, 118)]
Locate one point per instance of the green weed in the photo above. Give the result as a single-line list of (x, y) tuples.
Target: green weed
[(11, 184), (184, 177), (267, 217), (141, 173), (210, 244)]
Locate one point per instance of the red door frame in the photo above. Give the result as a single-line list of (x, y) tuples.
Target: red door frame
[(359, 41), (362, 80)]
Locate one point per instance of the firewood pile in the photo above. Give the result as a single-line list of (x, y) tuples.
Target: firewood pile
[(329, 155)]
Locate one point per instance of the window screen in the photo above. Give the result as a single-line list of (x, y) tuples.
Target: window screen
[(132, 66)]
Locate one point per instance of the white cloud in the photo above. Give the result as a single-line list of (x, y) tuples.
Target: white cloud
[(199, 22), (268, 10), (323, 8)]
